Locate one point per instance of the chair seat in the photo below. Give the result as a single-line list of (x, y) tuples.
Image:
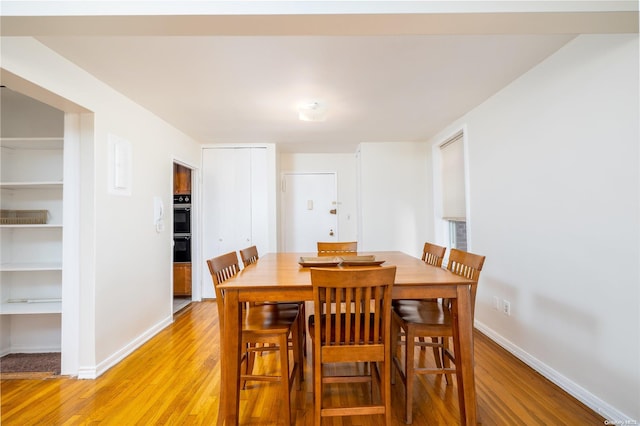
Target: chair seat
[(424, 313), (269, 319), (343, 331)]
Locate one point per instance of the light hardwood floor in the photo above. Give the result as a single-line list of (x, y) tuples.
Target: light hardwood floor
[(174, 379)]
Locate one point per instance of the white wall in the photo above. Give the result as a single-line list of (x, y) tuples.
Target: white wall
[(23, 116), (345, 167), (126, 265), (554, 205), (396, 194)]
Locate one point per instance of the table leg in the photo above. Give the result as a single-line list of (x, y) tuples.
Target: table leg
[(463, 347), (231, 342)]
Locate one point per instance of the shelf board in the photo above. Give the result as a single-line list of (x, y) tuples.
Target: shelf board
[(32, 143), (32, 185), (31, 308), (32, 266), (44, 225)]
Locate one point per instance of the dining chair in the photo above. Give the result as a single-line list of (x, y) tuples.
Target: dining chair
[(336, 248), (432, 254), (352, 323), (262, 324), (426, 318), (250, 256)]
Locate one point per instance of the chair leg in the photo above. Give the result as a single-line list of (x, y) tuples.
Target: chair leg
[(436, 352), (395, 335), (445, 359), (409, 373), (317, 388), (296, 334), (385, 389), (284, 367), (371, 366), (248, 367), (303, 328)]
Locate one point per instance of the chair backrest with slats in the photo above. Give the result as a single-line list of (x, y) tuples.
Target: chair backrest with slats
[(332, 248), (249, 255), (466, 265), (433, 254), (363, 296), (222, 268)]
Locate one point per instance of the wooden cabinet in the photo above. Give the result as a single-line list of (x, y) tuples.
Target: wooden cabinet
[(182, 279), (181, 179), (31, 269)]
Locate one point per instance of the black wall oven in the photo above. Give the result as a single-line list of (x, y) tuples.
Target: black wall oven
[(181, 248), (182, 228), (182, 214)]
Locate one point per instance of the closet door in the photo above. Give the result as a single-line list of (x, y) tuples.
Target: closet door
[(234, 202), (259, 202)]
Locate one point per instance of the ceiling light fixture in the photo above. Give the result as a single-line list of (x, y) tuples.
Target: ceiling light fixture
[(312, 111)]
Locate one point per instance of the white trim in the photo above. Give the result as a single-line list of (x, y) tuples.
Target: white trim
[(70, 320), (93, 372), (612, 414), (88, 373), (317, 7), (31, 349)]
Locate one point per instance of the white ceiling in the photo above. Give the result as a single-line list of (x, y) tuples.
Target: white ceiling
[(236, 80)]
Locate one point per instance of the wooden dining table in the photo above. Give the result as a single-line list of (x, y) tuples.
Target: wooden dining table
[(279, 277)]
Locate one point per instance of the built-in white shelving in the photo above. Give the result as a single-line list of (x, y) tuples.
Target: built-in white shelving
[(31, 178)]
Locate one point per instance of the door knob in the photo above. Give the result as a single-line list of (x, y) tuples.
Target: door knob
[(333, 211)]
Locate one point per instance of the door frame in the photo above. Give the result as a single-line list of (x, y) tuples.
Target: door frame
[(196, 268)]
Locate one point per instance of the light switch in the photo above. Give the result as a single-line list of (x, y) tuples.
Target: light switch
[(309, 204), (120, 166)]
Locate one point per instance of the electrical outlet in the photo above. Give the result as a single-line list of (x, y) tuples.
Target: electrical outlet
[(506, 307), (496, 303)]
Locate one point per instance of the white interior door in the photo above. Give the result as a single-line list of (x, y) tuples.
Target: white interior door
[(309, 210), (226, 200), (234, 203)]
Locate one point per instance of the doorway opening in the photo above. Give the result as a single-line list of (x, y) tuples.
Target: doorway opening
[(182, 237)]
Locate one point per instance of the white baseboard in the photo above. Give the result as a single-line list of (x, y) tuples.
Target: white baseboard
[(93, 372), (88, 373), (31, 349), (601, 407)]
